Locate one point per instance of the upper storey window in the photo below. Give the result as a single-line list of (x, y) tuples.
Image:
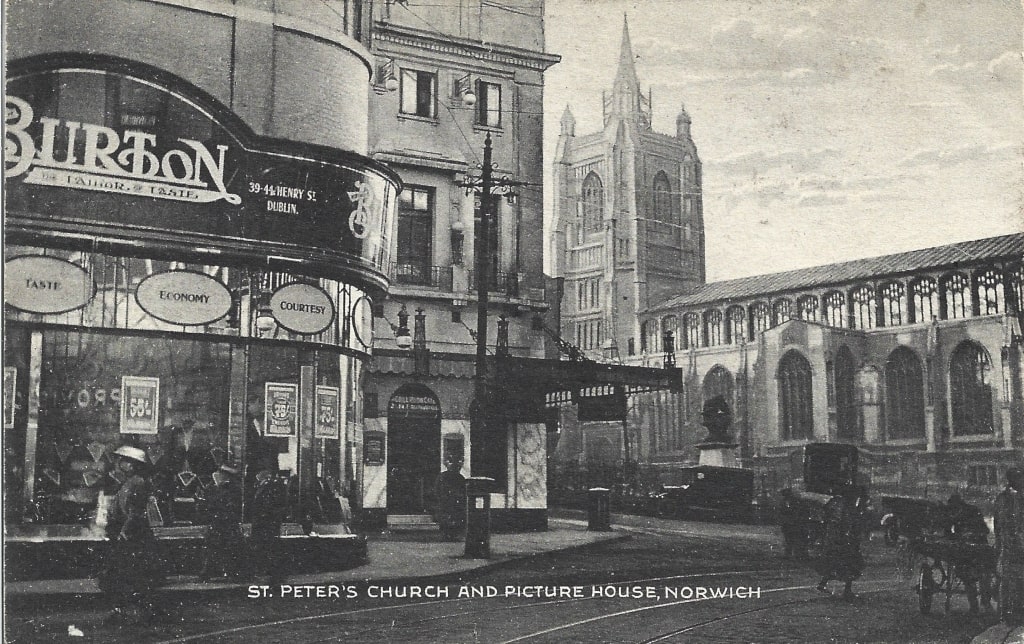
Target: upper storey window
[(956, 291), (593, 205), (488, 104), (663, 210), (419, 93)]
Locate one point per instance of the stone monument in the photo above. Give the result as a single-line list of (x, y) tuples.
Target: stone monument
[(718, 450)]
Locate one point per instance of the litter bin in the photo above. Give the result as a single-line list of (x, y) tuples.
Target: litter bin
[(598, 511), (478, 517)]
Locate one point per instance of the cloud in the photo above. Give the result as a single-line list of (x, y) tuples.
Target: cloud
[(962, 154)]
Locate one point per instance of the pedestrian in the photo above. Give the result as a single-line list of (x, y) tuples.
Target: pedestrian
[(841, 557), (1009, 537), (792, 520), (966, 525), (133, 567), (451, 500), (223, 542), (268, 511)]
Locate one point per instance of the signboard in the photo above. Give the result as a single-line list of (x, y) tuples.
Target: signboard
[(200, 176), (10, 391), (280, 413), (302, 308), (183, 297), (414, 400), (374, 445), (327, 412), (42, 284), (140, 405)]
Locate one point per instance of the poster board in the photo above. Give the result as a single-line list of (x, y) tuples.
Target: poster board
[(327, 412), (280, 412), (140, 405)]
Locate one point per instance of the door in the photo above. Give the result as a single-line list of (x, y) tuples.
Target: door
[(414, 449)]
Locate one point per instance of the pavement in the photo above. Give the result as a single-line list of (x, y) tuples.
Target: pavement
[(393, 557), (1001, 634)]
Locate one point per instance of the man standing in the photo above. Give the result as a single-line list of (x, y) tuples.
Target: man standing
[(268, 510), (792, 520), (451, 500), (1009, 529), (224, 536)]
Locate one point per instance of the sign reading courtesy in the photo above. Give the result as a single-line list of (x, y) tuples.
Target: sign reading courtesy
[(183, 297), (41, 284), (302, 308)]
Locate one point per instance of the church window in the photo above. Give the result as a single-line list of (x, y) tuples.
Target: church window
[(807, 308), (593, 204), (863, 300), (796, 410), (956, 291), (924, 301), (781, 311), (419, 93), (735, 320), (834, 312), (718, 382), (970, 390), (904, 395), (990, 293), (691, 331), (894, 304), (670, 323), (713, 328), (760, 318), (847, 418), (663, 210)]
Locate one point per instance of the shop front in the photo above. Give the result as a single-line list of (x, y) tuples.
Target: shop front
[(177, 283)]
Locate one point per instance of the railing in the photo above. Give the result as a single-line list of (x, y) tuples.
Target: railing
[(422, 275), (503, 283), (586, 257)]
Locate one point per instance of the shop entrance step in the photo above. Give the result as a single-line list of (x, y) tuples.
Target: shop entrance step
[(411, 522)]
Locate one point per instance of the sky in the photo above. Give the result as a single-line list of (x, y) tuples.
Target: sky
[(828, 131)]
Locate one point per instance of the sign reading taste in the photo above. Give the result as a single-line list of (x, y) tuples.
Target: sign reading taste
[(42, 284)]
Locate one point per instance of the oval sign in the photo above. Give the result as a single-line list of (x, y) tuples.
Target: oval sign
[(188, 298), (42, 284), (302, 308)]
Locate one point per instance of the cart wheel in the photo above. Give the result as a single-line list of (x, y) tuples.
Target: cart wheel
[(925, 589)]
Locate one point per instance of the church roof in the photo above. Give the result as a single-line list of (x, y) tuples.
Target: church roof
[(858, 269)]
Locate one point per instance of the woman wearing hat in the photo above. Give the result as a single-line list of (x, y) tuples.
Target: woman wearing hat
[(133, 567), (224, 536)]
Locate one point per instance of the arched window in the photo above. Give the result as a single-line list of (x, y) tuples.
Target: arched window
[(649, 336), (663, 210), (904, 395), (847, 416), (670, 323), (894, 304), (970, 390), (691, 330), (712, 328), (955, 291), (834, 312), (1015, 294), (735, 325), (718, 382), (990, 293), (781, 311), (863, 299), (924, 300), (796, 409), (593, 204), (760, 319), (807, 308)]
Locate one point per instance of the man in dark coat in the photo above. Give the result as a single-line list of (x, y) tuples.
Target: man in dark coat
[(1009, 529), (792, 520), (451, 501), (967, 526), (221, 552), (268, 512)]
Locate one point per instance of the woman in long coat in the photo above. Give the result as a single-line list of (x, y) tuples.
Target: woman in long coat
[(841, 558), (134, 566)]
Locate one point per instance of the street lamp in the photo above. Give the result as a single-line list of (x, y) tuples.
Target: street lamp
[(402, 336)]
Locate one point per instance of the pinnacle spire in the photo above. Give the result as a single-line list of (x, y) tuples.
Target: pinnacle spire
[(625, 78)]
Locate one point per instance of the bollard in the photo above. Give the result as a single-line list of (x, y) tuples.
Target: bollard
[(478, 517), (598, 510)]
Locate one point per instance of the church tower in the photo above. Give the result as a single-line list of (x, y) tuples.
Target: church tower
[(628, 225)]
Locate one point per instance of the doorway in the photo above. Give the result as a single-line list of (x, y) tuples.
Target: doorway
[(414, 449)]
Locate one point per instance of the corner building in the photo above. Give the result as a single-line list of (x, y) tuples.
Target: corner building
[(428, 59), (195, 237)]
